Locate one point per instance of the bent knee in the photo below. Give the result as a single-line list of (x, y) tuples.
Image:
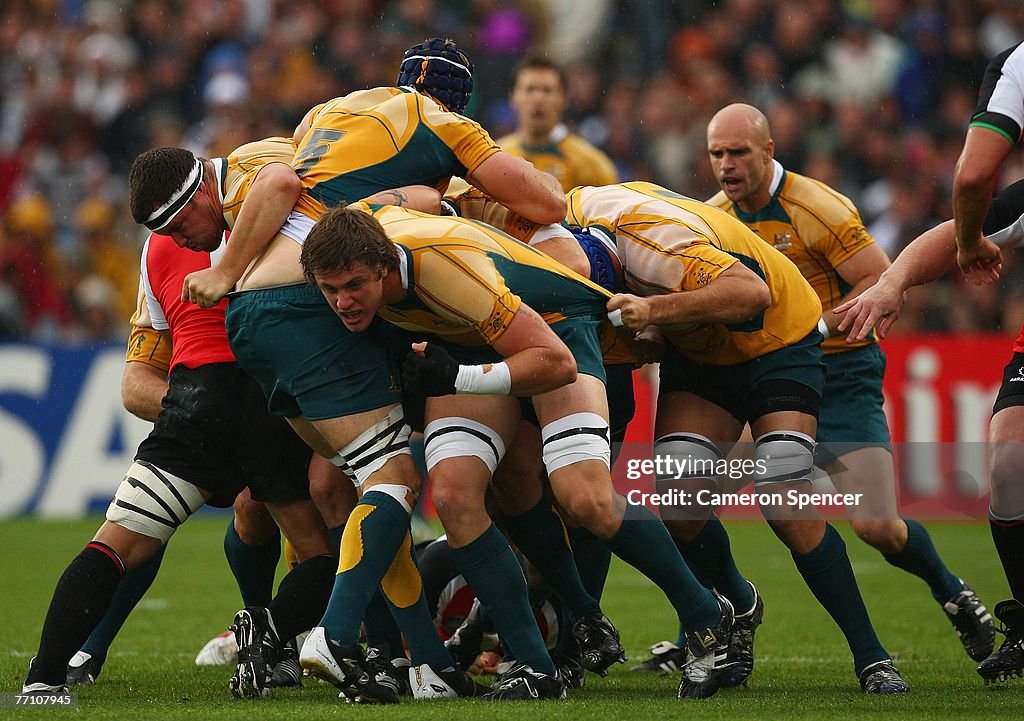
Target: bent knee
[(888, 536)]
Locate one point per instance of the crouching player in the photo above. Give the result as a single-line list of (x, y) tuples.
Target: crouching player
[(473, 292), (213, 437)]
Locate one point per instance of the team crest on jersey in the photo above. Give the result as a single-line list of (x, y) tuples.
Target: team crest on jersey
[(783, 241)]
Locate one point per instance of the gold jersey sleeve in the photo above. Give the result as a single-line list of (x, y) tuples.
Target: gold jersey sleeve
[(239, 170), (145, 343), (818, 229), (668, 243), (568, 157)]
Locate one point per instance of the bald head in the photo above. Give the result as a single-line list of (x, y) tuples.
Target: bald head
[(740, 119), (740, 149)]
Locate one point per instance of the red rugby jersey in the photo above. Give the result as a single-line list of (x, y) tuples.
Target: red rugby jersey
[(197, 334)]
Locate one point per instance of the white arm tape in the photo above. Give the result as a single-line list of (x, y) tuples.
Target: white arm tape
[(823, 326), (615, 317), (474, 379)]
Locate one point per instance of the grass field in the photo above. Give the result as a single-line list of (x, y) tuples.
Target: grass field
[(803, 668)]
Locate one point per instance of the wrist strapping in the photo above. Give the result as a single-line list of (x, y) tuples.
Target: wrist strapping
[(473, 379)]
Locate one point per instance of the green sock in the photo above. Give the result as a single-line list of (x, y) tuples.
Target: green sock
[(253, 565), (491, 569), (593, 558), (381, 630), (920, 558), (408, 605), (128, 594), (710, 552), (827, 572), (540, 535), (374, 533), (644, 543)]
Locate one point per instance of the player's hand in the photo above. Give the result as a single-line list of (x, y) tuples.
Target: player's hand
[(980, 263), (650, 344), (634, 311), (429, 370), (206, 287), (879, 306)]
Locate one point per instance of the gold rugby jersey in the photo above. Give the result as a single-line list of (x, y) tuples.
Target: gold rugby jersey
[(372, 140), (238, 171), (466, 280), (567, 156), (816, 228), (668, 243)]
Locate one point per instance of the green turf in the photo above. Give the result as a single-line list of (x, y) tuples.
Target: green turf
[(803, 666)]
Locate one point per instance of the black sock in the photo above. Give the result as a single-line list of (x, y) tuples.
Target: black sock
[(81, 598), (1009, 539), (302, 596)]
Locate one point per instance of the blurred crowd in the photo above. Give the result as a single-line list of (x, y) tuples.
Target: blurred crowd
[(869, 96)]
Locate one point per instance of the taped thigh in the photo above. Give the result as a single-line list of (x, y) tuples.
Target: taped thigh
[(783, 457), (153, 502), (574, 438), (378, 444), (457, 437)]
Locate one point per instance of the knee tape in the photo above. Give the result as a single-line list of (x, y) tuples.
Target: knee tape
[(785, 456), (153, 502), (690, 457), (378, 444), (402, 494), (456, 437), (574, 438)]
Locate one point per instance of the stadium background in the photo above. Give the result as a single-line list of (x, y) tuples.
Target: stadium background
[(870, 96)]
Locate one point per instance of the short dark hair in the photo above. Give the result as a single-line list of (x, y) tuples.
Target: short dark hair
[(539, 62), (154, 176), (342, 237)]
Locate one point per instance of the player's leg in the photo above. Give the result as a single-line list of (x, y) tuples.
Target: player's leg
[(574, 429), (691, 433), (853, 447), (1006, 520), (784, 446), (906, 544), (142, 516), (465, 439), (536, 529)]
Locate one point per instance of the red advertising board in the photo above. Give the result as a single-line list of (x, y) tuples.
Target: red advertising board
[(938, 399)]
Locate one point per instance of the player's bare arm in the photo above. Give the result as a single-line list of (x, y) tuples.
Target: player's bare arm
[(973, 183), (416, 197), (536, 361), (929, 256), (267, 205), (736, 295), (860, 272), (143, 388), (518, 185)]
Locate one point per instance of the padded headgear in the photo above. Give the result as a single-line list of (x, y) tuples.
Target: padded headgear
[(437, 67)]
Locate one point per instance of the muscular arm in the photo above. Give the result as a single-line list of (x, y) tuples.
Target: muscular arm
[(860, 271), (518, 185), (929, 256), (973, 182), (143, 387), (417, 197), (736, 295), (266, 207), (538, 361)]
